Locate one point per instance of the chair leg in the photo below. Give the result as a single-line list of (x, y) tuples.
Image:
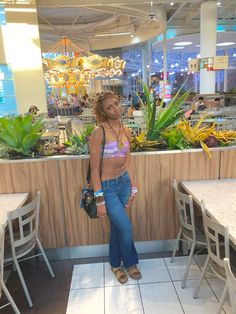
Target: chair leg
[(188, 265), (176, 246), (45, 258), (195, 295), (222, 299), (9, 298), (23, 282)]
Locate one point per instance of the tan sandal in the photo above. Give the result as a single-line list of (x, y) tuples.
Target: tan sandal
[(134, 272), (120, 274)]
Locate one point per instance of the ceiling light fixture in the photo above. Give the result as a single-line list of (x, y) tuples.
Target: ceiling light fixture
[(112, 34), (183, 43), (178, 47), (172, 3), (228, 43), (20, 10), (218, 3)]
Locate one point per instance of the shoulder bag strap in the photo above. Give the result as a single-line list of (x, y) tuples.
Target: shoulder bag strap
[(101, 157)]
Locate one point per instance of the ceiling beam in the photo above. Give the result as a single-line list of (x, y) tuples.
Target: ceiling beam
[(86, 3), (180, 8)]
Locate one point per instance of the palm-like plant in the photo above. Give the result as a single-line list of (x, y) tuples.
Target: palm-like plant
[(165, 117), (19, 135)]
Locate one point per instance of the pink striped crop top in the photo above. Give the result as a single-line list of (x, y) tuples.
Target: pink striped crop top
[(111, 150)]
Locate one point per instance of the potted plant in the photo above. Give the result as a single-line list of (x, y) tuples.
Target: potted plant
[(165, 117), (19, 136)]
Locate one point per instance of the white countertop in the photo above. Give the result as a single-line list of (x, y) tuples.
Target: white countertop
[(10, 202), (220, 200)]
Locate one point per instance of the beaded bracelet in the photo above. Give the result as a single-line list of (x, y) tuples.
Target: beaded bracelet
[(134, 190), (98, 193)]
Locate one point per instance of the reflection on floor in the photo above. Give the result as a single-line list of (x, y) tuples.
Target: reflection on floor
[(87, 286), (94, 290)]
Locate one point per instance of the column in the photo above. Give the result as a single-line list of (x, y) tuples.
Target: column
[(225, 76), (149, 63), (196, 82), (225, 80), (21, 44), (218, 81), (144, 65), (208, 44), (164, 57)]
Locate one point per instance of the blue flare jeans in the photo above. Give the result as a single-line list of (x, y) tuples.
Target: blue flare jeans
[(121, 246)]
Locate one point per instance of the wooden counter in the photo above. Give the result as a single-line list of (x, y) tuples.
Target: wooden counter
[(60, 179)]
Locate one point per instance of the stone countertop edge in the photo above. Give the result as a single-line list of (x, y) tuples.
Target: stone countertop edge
[(158, 152)]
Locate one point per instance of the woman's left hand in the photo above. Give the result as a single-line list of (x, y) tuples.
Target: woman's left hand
[(130, 201)]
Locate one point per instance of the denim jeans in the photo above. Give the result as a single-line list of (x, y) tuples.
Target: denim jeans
[(121, 246)]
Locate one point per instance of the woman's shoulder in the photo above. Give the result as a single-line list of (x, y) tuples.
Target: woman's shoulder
[(97, 133)]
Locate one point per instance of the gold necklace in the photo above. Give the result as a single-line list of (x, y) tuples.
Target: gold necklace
[(120, 144)]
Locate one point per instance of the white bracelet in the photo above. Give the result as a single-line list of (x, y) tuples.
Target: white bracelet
[(99, 204), (134, 190)]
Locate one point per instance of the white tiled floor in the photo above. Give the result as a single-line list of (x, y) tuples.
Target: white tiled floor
[(94, 289)]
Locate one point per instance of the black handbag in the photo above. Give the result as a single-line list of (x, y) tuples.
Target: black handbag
[(88, 201)]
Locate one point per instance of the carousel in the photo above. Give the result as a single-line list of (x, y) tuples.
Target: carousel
[(68, 67)]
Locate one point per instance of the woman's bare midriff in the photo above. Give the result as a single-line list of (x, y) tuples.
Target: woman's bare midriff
[(113, 167)]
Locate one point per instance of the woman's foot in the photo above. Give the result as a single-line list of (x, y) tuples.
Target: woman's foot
[(134, 272), (120, 274)]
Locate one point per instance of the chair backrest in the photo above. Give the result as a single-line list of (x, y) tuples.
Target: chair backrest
[(2, 231), (137, 113), (87, 111), (27, 218), (217, 236), (87, 119), (51, 124), (231, 282), (184, 206)]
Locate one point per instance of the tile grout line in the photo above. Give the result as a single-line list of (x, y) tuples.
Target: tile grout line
[(140, 294), (174, 288), (206, 279), (104, 290)]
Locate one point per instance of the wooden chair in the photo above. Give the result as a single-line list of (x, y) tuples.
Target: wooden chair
[(3, 287), (24, 241), (188, 231)]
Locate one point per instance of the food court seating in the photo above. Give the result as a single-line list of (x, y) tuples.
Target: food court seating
[(26, 239), (3, 287), (217, 237), (188, 230)]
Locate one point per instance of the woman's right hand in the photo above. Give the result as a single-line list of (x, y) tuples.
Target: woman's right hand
[(101, 211)]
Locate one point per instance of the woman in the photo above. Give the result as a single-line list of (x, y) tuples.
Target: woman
[(115, 190)]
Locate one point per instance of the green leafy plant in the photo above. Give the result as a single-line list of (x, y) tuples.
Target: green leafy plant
[(76, 144), (165, 117), (19, 135), (174, 138), (88, 130)]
